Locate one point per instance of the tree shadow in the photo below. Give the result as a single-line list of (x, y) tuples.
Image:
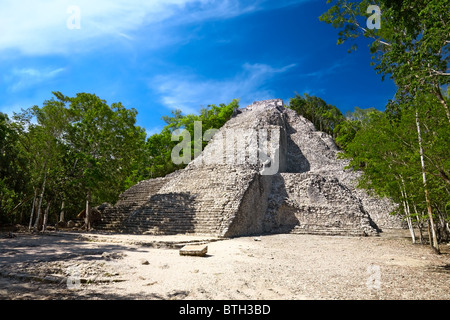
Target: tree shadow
[(53, 247)]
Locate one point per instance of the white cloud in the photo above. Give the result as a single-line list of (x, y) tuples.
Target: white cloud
[(188, 92), (41, 26)]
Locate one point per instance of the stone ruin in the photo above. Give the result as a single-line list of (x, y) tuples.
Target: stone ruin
[(267, 170)]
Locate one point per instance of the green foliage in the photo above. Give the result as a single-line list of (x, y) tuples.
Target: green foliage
[(412, 45), (346, 130), (67, 148), (159, 146), (13, 174), (404, 152), (388, 153), (329, 119), (325, 117), (79, 148), (105, 143)]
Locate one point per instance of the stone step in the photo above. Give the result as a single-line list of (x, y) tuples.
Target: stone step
[(331, 231)]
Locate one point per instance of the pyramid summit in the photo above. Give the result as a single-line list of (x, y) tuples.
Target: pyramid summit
[(267, 170)]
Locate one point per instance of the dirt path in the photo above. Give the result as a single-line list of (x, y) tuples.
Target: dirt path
[(71, 266)]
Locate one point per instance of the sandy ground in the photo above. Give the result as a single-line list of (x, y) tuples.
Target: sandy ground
[(63, 265)]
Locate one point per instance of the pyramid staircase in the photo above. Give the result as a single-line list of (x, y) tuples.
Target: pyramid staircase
[(310, 194)]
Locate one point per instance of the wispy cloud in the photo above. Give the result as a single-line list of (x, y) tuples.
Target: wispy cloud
[(188, 92), (23, 78), (325, 71)]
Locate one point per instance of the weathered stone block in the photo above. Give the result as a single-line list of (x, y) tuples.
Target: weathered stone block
[(194, 250)]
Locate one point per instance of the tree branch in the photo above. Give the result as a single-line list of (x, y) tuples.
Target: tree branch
[(355, 22), (439, 73), (437, 92)]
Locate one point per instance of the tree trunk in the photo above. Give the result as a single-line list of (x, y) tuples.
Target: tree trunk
[(445, 228), (44, 225), (434, 243), (88, 211), (411, 229), (32, 210), (430, 237), (36, 223), (420, 226), (61, 214), (407, 212), (443, 102), (419, 223), (25, 200), (409, 221)]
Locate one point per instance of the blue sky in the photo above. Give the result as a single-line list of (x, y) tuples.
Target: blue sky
[(158, 55)]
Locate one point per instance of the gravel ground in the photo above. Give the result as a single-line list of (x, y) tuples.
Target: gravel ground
[(283, 267)]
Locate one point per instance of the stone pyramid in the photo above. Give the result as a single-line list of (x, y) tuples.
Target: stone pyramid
[(267, 170)]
